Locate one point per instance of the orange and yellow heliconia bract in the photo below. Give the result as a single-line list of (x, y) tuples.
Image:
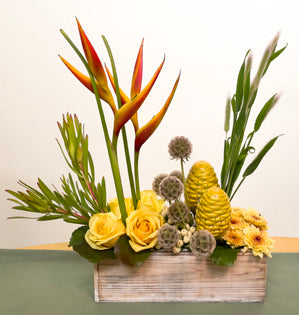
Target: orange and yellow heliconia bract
[(129, 106)]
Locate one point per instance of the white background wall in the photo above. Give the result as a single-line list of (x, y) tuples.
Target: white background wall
[(206, 40)]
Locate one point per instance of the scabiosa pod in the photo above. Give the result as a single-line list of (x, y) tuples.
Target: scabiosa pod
[(177, 174), (168, 236), (180, 148), (178, 212), (202, 243), (171, 188), (156, 183)]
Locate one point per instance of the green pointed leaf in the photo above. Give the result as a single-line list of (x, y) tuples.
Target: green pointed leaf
[(224, 255), (274, 56), (127, 255), (18, 217), (91, 166), (239, 90), (80, 245), (49, 217), (234, 105), (255, 163), (74, 221), (265, 111)]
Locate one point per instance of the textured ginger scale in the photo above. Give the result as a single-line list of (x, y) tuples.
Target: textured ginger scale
[(213, 212), (201, 177)]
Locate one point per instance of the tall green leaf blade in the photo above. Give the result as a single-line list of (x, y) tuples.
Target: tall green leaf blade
[(265, 111), (255, 163), (239, 90), (274, 56)]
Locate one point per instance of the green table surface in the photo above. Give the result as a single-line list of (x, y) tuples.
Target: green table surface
[(61, 282)]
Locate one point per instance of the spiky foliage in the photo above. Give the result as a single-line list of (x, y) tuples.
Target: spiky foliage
[(77, 201)]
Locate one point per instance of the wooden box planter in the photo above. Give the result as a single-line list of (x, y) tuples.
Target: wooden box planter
[(165, 277)]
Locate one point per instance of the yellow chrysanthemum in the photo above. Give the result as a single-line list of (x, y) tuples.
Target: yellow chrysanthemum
[(238, 211), (254, 217), (237, 221), (234, 238), (258, 241)]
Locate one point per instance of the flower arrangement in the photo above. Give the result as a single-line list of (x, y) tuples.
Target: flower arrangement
[(180, 213)]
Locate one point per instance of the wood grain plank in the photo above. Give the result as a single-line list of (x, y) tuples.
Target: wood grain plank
[(165, 277)]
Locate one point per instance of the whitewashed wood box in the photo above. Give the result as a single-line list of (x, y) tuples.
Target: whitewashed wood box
[(165, 277)]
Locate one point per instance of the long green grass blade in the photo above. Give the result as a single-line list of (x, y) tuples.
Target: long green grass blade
[(255, 163), (265, 111)]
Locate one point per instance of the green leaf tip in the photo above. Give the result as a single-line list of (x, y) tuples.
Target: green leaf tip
[(80, 245), (127, 255), (224, 255)]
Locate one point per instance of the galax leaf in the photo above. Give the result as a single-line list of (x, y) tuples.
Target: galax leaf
[(79, 245), (224, 255), (127, 255)]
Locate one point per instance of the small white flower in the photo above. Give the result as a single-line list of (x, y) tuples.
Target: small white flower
[(186, 239), (158, 246), (170, 221), (176, 250), (179, 243), (187, 226), (192, 229), (184, 232)]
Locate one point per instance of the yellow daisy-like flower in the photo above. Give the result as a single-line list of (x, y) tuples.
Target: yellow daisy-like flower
[(234, 238), (254, 217), (238, 211), (237, 222), (258, 241)]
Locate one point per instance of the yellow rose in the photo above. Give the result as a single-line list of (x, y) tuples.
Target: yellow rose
[(149, 201), (142, 228), (104, 230), (113, 204)]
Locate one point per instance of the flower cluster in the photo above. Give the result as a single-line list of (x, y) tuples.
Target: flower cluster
[(142, 224), (123, 227), (248, 230)]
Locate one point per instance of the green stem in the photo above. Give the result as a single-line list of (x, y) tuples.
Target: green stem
[(129, 167), (183, 175), (136, 171), (181, 215), (111, 151), (237, 188), (124, 134)]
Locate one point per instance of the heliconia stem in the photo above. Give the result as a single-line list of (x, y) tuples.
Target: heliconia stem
[(124, 134), (136, 171), (111, 151)]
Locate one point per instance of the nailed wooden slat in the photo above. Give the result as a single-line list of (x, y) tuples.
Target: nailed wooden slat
[(166, 277)]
